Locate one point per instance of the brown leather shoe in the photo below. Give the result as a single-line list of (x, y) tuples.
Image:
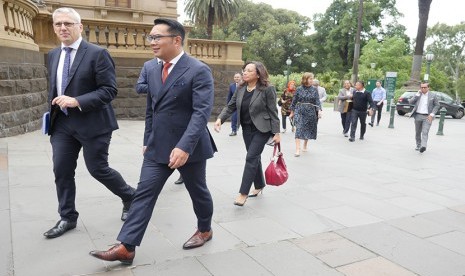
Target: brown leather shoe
[(116, 253), (198, 239)]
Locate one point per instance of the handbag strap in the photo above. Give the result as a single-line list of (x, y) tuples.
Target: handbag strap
[(276, 146)]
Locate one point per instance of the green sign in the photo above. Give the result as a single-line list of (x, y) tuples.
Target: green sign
[(390, 87)]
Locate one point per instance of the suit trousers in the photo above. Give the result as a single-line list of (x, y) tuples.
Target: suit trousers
[(153, 177), (422, 126), (346, 120), (66, 145), (234, 121), (379, 110), (356, 115), (254, 144)]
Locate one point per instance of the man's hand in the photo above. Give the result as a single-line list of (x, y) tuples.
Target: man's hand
[(65, 102), (430, 118), (178, 158)]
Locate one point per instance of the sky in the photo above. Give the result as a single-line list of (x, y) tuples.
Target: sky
[(442, 11)]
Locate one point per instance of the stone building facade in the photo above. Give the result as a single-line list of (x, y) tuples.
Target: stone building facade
[(26, 36)]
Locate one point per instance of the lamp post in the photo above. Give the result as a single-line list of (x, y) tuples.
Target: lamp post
[(288, 71), (373, 66), (429, 58)]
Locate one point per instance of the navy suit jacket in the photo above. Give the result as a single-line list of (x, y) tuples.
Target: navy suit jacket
[(178, 111), (92, 81), (232, 89), (142, 86)]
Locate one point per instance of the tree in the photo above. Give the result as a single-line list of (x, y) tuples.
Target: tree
[(212, 12), (423, 13), (448, 47)]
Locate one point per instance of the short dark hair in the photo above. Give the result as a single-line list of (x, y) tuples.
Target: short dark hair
[(262, 73), (424, 82), (361, 82), (175, 27)]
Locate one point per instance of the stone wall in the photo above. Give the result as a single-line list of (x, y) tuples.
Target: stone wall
[(23, 90), (129, 105)]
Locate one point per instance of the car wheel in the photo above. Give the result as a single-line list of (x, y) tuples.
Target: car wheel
[(400, 112), (458, 114)]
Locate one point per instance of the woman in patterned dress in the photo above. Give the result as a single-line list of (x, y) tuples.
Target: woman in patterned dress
[(286, 100), (305, 109)]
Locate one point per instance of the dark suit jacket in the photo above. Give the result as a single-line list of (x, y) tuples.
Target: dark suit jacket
[(92, 82), (232, 89), (142, 86), (262, 108), (178, 111)]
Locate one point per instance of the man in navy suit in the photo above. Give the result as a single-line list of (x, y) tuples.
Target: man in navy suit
[(82, 85), (179, 104), (232, 88), (142, 87)]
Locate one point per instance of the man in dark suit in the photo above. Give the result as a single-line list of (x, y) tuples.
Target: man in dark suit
[(232, 88), (82, 85), (142, 87), (179, 104), (426, 106)]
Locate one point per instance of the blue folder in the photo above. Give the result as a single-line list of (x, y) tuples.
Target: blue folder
[(45, 123)]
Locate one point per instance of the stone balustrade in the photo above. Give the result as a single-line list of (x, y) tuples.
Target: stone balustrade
[(16, 24)]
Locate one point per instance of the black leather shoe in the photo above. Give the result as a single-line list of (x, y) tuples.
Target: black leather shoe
[(179, 181), (371, 124), (125, 212), (422, 149), (361, 138), (60, 228), (233, 133), (351, 139)]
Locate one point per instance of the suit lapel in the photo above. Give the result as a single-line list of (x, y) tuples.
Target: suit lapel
[(255, 95), (178, 70)]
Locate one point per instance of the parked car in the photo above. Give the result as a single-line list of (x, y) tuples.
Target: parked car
[(453, 109)]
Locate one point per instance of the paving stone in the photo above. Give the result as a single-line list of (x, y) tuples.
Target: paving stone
[(186, 266), (292, 260), (257, 231), (232, 263), (6, 255), (348, 216), (415, 205), (417, 255), (454, 241), (423, 195), (459, 208), (447, 217), (378, 266), (420, 226), (310, 200), (333, 249)]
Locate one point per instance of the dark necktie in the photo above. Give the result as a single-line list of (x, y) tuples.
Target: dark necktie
[(166, 66), (65, 74)]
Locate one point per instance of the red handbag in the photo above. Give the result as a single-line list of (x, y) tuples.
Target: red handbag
[(276, 172)]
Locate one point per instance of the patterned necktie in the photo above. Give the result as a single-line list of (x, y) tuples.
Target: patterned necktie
[(166, 66), (65, 73)]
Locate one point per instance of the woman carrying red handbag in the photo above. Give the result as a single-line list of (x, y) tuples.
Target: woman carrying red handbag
[(255, 101)]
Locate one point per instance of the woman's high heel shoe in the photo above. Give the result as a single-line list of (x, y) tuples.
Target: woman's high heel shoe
[(240, 200), (256, 192)]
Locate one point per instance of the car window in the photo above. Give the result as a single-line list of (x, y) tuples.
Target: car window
[(447, 98)]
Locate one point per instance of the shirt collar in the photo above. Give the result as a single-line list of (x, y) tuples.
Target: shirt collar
[(176, 59), (74, 45), (361, 91)]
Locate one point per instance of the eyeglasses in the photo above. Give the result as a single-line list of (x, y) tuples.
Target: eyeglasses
[(157, 38), (423, 87), (67, 24)]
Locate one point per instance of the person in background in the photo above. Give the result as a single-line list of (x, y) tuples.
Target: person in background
[(345, 106), (142, 87), (360, 99), (179, 103), (304, 108), (232, 88), (321, 91), (285, 102), (82, 85), (255, 102), (426, 106), (378, 95)]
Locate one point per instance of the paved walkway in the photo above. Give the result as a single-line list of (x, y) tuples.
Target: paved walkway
[(368, 208)]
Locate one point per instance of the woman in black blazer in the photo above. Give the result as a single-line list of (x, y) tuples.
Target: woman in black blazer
[(255, 101)]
